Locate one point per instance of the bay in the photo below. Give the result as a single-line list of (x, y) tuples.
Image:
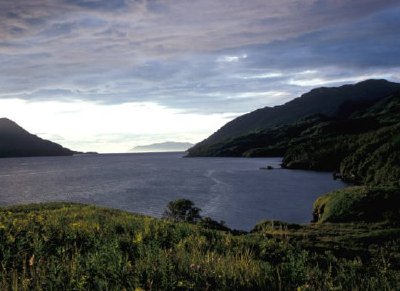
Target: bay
[(234, 190)]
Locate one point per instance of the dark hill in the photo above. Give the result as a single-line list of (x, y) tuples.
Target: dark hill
[(17, 142), (363, 148), (338, 101)]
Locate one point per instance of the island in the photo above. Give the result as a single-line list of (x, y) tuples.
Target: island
[(168, 146)]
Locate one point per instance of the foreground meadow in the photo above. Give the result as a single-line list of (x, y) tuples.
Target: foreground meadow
[(62, 246)]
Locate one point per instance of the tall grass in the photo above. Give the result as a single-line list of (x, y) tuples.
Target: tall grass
[(77, 247)]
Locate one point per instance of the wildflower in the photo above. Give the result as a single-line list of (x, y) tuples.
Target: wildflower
[(138, 238)]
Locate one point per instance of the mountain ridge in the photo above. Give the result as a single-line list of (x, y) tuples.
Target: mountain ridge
[(362, 148), (343, 100)]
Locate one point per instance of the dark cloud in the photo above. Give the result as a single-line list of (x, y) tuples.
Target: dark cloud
[(372, 42), (198, 56), (99, 4), (59, 29)]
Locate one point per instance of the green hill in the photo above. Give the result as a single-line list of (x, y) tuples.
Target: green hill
[(331, 102), (362, 145), (364, 148), (17, 142), (355, 204)]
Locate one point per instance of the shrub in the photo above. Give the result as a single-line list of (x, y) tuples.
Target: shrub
[(182, 210)]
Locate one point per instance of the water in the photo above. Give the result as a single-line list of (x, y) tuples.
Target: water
[(231, 189)]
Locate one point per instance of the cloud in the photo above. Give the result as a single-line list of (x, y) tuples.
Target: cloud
[(230, 59), (105, 5), (107, 75), (197, 56)]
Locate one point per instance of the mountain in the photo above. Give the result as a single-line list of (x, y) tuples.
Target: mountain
[(362, 148), (17, 142), (337, 101), (168, 146)]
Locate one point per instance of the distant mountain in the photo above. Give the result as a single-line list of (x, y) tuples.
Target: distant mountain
[(17, 142), (338, 101), (168, 146)]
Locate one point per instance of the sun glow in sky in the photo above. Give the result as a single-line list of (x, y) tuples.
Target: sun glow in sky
[(110, 128), (107, 75)]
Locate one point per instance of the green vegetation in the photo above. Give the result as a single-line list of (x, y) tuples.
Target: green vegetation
[(182, 210), (364, 148), (63, 246), (357, 204), (364, 241)]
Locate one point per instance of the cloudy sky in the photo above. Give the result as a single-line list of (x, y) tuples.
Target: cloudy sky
[(107, 75)]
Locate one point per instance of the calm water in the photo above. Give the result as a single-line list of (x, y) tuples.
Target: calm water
[(231, 189)]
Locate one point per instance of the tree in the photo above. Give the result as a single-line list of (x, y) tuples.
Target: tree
[(182, 210)]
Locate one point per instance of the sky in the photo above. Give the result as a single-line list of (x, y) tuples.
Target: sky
[(108, 75)]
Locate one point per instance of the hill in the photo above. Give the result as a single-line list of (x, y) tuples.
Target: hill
[(358, 204), (330, 102), (168, 146), (17, 142), (363, 147), (361, 143)]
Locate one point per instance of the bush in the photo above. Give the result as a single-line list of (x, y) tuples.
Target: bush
[(182, 210)]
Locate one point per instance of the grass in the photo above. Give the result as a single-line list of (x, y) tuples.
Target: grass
[(61, 246), (346, 240)]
